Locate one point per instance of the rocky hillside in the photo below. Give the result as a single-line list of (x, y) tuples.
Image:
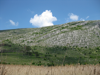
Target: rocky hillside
[(80, 33)]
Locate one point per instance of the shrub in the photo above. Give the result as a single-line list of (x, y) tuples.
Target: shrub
[(45, 55), (50, 64), (36, 54), (29, 53), (24, 64), (39, 63), (55, 55), (9, 63), (28, 48), (33, 63), (63, 64), (44, 58), (4, 63)]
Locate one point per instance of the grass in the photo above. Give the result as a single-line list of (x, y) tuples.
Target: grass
[(57, 70), (71, 57), (49, 56)]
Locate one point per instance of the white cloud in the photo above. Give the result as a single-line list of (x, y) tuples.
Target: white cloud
[(87, 17), (82, 19), (13, 23), (73, 16), (45, 19)]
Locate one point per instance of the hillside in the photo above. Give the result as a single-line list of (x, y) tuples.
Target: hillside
[(81, 33), (69, 43)]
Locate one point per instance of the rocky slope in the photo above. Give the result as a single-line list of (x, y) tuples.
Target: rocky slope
[(80, 33)]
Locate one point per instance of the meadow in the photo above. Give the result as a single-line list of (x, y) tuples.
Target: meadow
[(47, 56)]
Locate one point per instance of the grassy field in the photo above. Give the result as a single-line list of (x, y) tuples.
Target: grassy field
[(57, 70), (48, 56)]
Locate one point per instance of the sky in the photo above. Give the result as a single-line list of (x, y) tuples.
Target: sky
[(16, 14)]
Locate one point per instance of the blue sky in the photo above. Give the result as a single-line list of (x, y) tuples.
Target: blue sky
[(40, 13)]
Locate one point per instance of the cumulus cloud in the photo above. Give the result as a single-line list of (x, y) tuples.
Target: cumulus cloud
[(73, 16), (45, 19), (13, 23), (82, 19), (87, 17)]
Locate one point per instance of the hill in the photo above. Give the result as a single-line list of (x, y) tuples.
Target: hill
[(69, 43), (81, 33)]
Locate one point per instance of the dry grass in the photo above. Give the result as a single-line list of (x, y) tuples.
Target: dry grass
[(57, 70)]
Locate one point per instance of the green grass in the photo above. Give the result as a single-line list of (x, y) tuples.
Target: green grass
[(49, 55)]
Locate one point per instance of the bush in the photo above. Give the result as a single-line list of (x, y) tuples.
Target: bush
[(4, 63), (63, 64), (29, 53), (55, 55), (50, 64), (45, 55), (28, 48), (9, 63), (24, 64), (33, 63), (36, 54), (44, 58), (39, 63)]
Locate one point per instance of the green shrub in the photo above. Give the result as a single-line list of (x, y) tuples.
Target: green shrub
[(4, 63), (39, 63), (33, 63), (63, 64), (36, 54), (45, 55), (50, 64), (8, 63), (44, 58), (24, 64), (55, 55)]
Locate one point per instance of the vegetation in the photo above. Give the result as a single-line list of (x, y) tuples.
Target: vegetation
[(70, 43), (54, 70), (48, 56), (56, 35)]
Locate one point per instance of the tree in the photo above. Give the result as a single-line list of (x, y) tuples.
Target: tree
[(28, 50)]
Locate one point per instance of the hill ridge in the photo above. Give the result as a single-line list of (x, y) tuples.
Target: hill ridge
[(80, 33)]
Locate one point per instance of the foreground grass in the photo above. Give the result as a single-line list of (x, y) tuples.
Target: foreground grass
[(57, 70)]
